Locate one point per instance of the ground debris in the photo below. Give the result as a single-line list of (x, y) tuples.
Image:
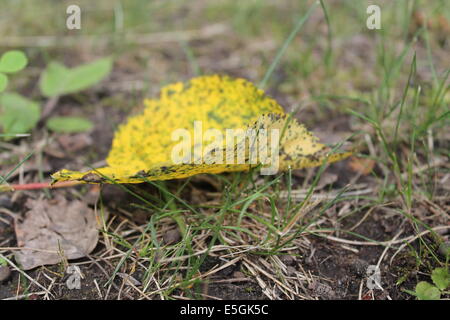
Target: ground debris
[(5, 272), (57, 229)]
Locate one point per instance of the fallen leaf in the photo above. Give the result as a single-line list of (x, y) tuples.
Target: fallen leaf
[(142, 148), (362, 166), (55, 229), (326, 179), (75, 142)]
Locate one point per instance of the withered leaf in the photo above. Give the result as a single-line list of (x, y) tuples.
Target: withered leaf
[(56, 229)]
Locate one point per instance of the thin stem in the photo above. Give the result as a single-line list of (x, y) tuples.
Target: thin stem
[(39, 186)]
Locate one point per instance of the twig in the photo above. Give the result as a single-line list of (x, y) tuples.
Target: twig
[(26, 295), (49, 106)]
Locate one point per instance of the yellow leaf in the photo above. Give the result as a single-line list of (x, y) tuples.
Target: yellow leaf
[(203, 109)]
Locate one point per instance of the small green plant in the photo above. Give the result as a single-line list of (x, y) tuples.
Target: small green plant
[(11, 62), (427, 291), (68, 124), (19, 115), (58, 80)]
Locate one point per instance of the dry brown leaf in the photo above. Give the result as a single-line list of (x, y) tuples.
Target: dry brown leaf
[(75, 142), (363, 166), (58, 229), (326, 179)]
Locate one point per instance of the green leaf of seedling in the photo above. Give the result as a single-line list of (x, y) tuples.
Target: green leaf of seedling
[(69, 124), (17, 113), (3, 82), (426, 291), (53, 79), (57, 79), (13, 61), (441, 278)]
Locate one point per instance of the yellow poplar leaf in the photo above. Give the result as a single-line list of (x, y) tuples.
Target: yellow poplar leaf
[(142, 148)]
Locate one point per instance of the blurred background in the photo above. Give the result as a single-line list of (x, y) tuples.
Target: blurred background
[(334, 63)]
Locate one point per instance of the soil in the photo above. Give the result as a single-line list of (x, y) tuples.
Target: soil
[(342, 271)]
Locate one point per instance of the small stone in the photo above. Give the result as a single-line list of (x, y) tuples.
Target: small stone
[(172, 236), (287, 260), (5, 273), (322, 290)]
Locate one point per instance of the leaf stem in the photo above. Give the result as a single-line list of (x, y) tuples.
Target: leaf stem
[(38, 186)]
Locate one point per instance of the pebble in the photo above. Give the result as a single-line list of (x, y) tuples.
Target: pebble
[(172, 236), (288, 260)]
